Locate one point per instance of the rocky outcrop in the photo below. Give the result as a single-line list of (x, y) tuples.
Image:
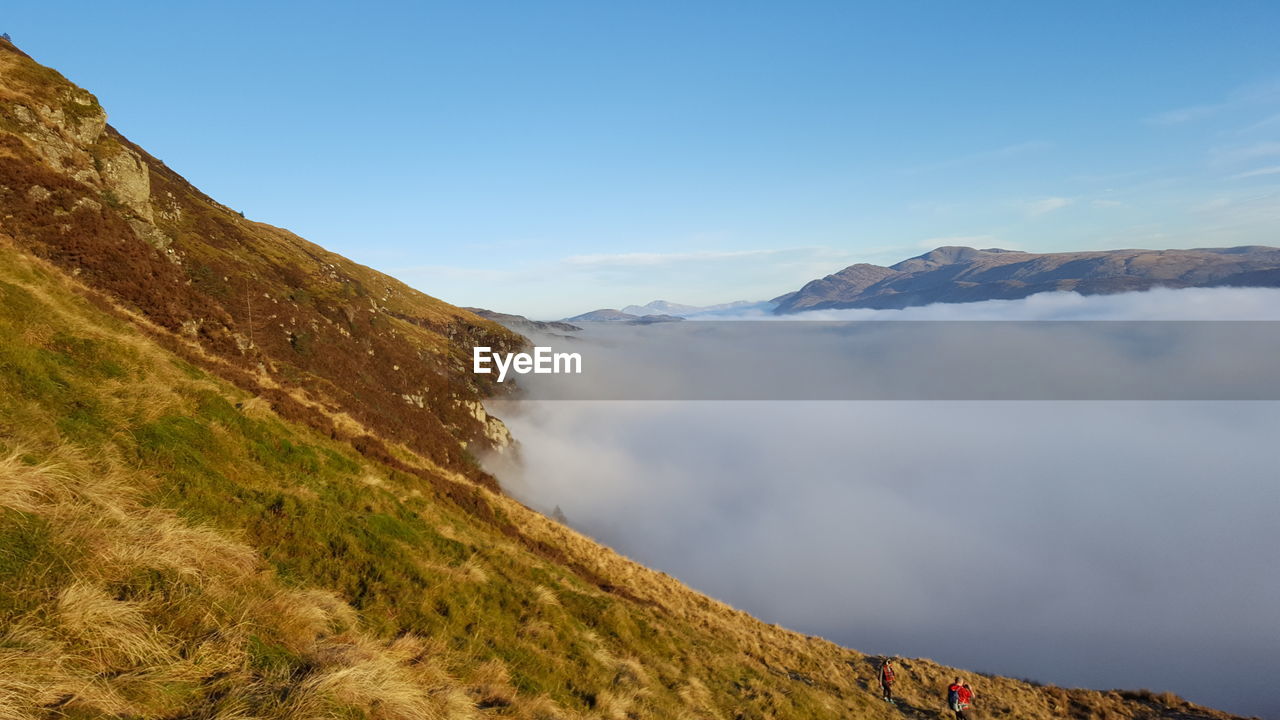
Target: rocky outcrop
[(67, 127), (125, 176), (495, 431)]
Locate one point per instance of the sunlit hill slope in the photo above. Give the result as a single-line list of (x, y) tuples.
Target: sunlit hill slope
[(236, 481)]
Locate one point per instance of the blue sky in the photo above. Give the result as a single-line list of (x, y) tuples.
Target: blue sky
[(549, 158)]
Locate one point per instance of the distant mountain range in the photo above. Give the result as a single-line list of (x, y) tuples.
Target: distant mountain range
[(662, 307), (618, 316), (964, 274), (522, 324), (663, 311)]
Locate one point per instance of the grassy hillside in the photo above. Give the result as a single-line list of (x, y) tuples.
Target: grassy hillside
[(199, 521), (326, 341)]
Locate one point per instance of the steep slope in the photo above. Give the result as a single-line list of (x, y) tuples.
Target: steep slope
[(963, 274), (198, 525), (349, 350)]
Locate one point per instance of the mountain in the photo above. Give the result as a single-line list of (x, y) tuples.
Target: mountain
[(522, 324), (614, 316), (963, 274), (334, 344), (238, 478), (662, 307), (602, 315)]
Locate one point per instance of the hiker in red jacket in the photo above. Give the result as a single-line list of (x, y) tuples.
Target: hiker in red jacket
[(887, 679), (959, 696)]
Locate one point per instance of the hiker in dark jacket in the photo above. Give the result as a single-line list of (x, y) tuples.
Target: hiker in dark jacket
[(887, 679)]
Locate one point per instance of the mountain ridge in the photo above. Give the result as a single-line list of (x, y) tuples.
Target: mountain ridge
[(610, 315), (955, 274), (663, 307)]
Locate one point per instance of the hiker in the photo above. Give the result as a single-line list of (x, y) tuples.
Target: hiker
[(886, 679), (959, 695)]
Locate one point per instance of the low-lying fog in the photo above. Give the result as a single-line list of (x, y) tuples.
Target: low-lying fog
[(1100, 544)]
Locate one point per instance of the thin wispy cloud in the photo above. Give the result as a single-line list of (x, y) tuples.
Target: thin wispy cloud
[(1187, 114), (985, 156), (1272, 170), (1112, 177), (450, 272), (1047, 205), (1239, 99), (567, 285), (593, 261), (1232, 218), (645, 259), (1238, 154), (1262, 124)]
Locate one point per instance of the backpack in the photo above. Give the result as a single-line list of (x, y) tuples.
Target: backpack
[(953, 698)]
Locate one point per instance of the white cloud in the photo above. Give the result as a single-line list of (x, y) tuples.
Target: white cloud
[(1047, 205), (1240, 98), (1262, 124), (1273, 170), (642, 259), (1186, 114), (1008, 151), (560, 287), (1244, 153)]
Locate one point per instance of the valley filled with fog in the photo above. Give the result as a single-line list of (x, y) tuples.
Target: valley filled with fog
[(1099, 543)]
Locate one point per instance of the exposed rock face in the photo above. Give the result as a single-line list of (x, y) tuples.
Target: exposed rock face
[(494, 429), (124, 174), (964, 274), (59, 125)]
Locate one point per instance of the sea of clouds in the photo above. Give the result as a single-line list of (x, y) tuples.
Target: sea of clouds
[(1100, 543)]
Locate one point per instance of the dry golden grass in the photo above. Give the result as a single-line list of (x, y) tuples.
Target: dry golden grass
[(94, 651)]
